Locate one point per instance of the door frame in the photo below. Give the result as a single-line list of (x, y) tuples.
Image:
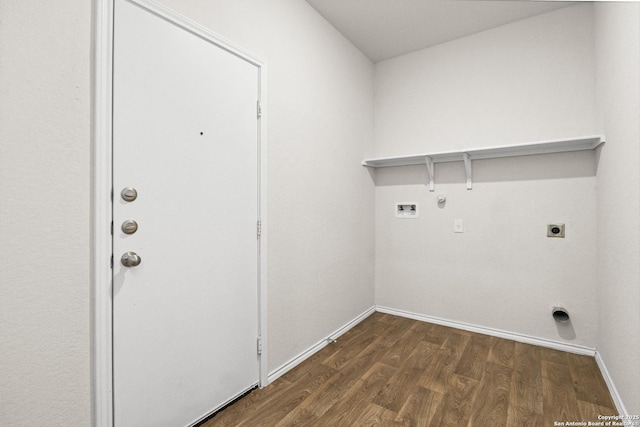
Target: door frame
[(102, 209)]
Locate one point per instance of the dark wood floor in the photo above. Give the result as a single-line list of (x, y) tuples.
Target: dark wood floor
[(393, 371)]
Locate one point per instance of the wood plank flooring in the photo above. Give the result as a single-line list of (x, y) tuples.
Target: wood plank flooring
[(393, 371)]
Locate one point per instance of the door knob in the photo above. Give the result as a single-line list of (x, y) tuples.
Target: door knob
[(130, 259)]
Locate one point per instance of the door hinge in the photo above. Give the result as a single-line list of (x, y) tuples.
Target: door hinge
[(112, 228), (259, 228), (111, 261), (259, 345), (259, 109)]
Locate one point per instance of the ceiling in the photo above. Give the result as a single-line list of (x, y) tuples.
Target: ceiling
[(383, 29)]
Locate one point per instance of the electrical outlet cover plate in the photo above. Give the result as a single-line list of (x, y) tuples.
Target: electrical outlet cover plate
[(555, 230)]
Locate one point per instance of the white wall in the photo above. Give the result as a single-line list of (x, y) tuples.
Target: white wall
[(45, 213), (617, 29), (464, 93), (321, 243), (526, 81)]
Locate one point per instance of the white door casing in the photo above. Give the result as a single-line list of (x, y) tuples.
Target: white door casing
[(177, 240)]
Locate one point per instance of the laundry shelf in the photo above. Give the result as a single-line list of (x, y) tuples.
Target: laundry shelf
[(466, 156)]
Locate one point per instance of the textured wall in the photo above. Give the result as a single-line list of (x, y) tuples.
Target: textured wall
[(526, 81), (618, 53), (320, 115), (321, 231), (44, 213), (530, 80)]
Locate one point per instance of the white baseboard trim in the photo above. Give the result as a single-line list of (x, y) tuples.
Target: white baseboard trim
[(617, 399), (527, 339), (292, 363)]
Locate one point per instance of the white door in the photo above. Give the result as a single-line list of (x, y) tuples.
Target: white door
[(185, 137)]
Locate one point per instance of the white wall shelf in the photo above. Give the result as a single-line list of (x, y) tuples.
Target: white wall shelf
[(466, 156)]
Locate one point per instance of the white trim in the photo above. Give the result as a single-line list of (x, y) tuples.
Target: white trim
[(262, 248), (528, 339), (196, 29), (102, 118), (617, 399), (295, 361), (102, 366)]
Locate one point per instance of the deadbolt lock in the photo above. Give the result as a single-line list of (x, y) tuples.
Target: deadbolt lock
[(129, 226), (129, 194)]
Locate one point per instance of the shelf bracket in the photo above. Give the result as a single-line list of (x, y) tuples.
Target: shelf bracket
[(431, 171), (467, 167)]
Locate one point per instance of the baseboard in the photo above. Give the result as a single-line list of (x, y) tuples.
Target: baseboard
[(527, 339), (617, 399), (292, 363)]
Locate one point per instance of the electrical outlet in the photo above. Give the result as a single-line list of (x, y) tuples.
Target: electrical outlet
[(555, 230)]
